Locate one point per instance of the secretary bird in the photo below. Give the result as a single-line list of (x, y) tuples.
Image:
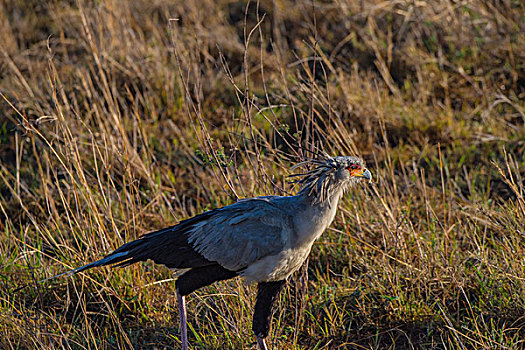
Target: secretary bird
[(263, 239)]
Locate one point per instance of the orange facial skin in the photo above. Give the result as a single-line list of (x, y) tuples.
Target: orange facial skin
[(355, 170)]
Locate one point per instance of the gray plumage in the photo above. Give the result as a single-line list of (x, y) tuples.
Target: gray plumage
[(263, 239), (269, 228), (244, 232), (268, 238)]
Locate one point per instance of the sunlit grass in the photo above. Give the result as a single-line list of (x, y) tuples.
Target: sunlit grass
[(119, 118)]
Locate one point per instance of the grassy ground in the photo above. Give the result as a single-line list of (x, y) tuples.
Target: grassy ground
[(118, 118)]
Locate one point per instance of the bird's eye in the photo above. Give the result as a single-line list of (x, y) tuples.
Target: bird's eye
[(353, 167)]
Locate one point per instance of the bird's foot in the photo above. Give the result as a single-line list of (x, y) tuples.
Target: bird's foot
[(261, 343)]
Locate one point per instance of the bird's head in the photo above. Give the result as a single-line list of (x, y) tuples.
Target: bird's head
[(349, 170), (331, 175)]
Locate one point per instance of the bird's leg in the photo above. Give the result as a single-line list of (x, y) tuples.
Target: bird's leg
[(261, 343), (267, 293), (191, 281), (182, 317)]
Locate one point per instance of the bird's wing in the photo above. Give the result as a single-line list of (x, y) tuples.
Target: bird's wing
[(242, 233)]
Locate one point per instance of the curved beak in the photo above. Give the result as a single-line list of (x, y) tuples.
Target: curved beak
[(363, 173)]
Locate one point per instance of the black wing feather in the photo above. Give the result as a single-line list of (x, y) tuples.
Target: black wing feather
[(168, 246)]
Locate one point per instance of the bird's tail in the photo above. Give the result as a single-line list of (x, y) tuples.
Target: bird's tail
[(111, 259), (120, 256), (168, 246)]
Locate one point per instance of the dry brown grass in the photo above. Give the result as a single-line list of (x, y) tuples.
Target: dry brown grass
[(121, 117)]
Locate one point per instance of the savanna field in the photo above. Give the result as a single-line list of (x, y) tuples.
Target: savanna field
[(118, 118)]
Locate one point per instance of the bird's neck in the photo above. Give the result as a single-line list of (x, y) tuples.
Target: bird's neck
[(331, 200), (316, 218)]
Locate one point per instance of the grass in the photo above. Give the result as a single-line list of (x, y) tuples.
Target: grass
[(119, 118)]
